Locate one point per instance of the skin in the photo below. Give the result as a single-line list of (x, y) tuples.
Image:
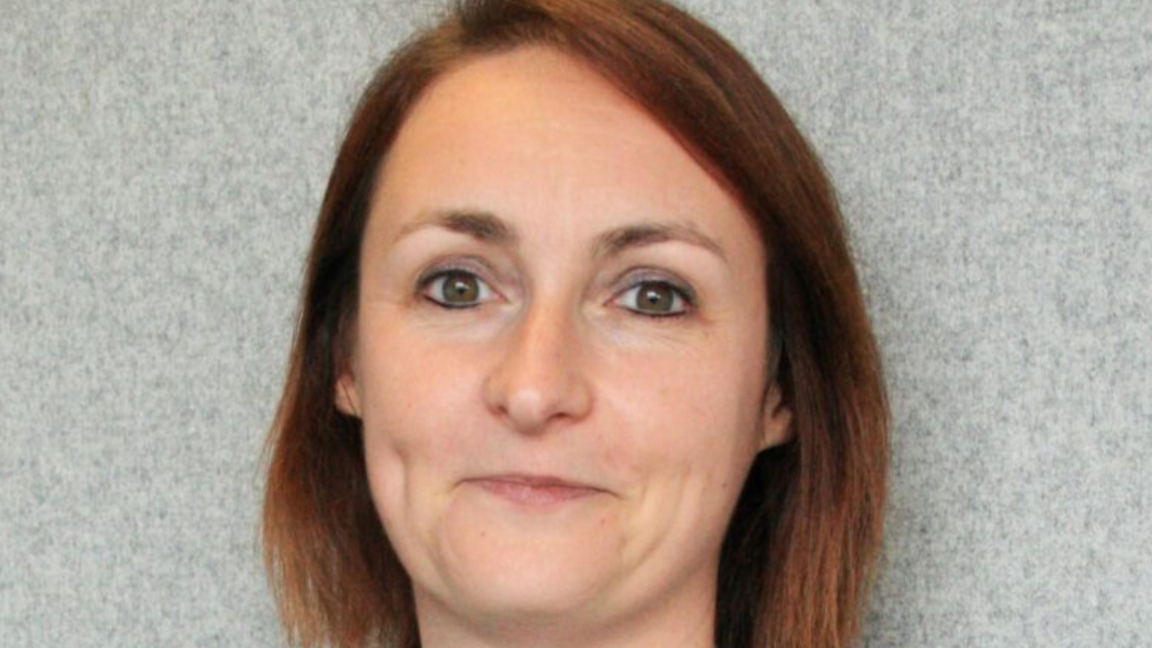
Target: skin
[(556, 366)]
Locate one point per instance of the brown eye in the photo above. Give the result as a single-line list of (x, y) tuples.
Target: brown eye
[(659, 299)]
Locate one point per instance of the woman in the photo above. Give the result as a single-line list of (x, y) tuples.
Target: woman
[(582, 358)]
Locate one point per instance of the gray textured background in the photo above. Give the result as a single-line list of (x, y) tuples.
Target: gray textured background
[(162, 164)]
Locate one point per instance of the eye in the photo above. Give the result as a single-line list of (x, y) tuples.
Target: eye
[(453, 288), (460, 288), (657, 299)]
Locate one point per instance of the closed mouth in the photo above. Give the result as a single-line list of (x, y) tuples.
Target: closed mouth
[(536, 481), (535, 490)]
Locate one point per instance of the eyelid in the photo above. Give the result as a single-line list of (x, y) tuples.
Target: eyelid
[(437, 272), (683, 292), (658, 276), (631, 281), (471, 265)]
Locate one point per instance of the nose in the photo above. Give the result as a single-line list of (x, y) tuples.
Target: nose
[(539, 375)]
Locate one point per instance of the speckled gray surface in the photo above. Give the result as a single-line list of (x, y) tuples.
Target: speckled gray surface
[(161, 168)]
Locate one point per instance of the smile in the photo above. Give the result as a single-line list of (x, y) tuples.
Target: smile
[(535, 491)]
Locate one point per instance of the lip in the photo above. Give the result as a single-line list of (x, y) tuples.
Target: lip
[(534, 490)]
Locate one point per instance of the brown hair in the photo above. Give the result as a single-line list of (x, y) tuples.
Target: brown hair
[(799, 552)]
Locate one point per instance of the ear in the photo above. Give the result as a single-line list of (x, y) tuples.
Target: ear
[(347, 395), (777, 419)]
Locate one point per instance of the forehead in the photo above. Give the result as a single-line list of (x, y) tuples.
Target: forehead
[(537, 137)]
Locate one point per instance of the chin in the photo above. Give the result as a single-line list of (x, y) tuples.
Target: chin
[(508, 563), (516, 596)]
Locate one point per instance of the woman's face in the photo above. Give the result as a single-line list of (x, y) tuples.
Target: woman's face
[(560, 351)]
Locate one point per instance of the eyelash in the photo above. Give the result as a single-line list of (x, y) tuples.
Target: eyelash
[(683, 292)]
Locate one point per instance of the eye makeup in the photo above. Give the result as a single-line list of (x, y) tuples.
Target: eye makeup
[(633, 280)]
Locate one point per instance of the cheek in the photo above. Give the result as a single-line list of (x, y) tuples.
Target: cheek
[(684, 447), (413, 421), (689, 419), (410, 386)]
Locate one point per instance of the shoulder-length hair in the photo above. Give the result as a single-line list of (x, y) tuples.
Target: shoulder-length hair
[(800, 550)]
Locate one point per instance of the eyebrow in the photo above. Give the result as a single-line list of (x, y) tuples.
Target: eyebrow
[(488, 228)]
